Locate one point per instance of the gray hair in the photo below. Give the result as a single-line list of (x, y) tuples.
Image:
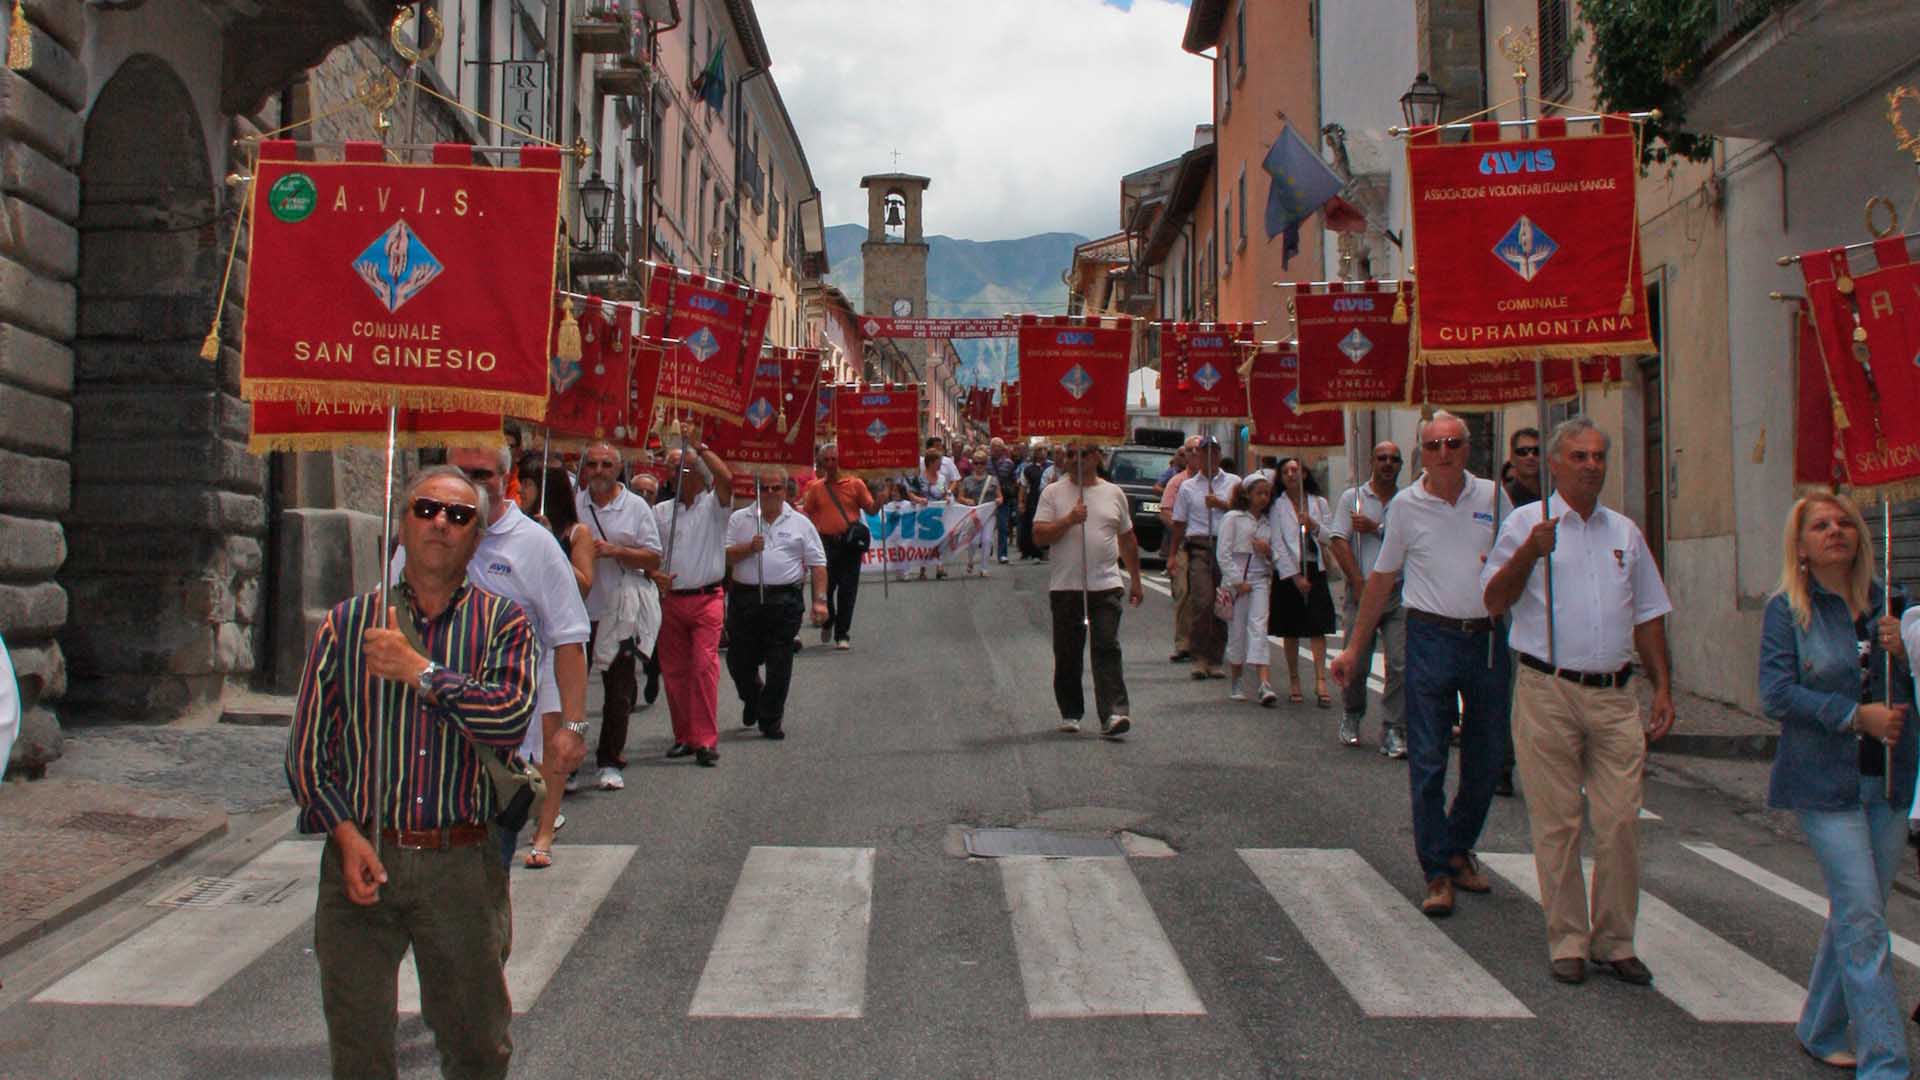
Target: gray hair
[(1572, 426), (1439, 415), (480, 498), (506, 459)]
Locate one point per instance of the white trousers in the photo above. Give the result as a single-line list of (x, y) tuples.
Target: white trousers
[(1247, 632)]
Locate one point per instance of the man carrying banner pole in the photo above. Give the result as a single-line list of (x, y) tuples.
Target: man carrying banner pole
[(692, 611), (1084, 573)]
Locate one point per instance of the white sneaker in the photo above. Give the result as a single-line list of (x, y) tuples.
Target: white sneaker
[(1267, 697), (573, 782), (1070, 727), (1238, 694), (611, 780)]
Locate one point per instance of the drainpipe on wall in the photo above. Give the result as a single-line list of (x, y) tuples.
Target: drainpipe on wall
[(739, 170)]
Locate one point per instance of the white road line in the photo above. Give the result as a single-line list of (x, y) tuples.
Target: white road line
[(187, 954), (1695, 968), (1089, 943), (1392, 960), (1903, 948), (551, 909), (793, 942), (1648, 815)]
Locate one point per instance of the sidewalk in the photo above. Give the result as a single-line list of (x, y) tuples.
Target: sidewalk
[(125, 801)]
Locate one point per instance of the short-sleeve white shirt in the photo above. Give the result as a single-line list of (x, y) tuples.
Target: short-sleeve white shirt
[(1190, 505), (793, 546), (1107, 517), (1366, 546), (1438, 547), (699, 532), (626, 521), (1605, 583)]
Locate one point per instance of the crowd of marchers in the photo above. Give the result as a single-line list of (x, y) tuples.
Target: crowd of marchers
[(436, 723)]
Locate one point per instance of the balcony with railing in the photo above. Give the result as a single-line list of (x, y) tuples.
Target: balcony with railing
[(624, 73), (603, 26), (1777, 67)]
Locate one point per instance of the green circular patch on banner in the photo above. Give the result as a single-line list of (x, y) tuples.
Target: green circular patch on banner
[(292, 197)]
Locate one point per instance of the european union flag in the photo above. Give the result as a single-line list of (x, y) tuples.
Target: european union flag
[(1302, 184)]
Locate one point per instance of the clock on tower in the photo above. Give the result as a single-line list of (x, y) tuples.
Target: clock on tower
[(902, 308)]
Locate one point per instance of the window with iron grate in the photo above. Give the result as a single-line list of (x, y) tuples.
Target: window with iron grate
[(1556, 49)]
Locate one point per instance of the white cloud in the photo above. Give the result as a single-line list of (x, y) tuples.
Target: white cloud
[(1025, 113)]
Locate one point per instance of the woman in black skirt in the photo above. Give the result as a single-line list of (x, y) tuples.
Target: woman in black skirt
[(1302, 604)]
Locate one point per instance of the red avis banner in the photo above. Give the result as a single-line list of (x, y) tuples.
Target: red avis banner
[(879, 428), (642, 381), (824, 397), (1527, 248), (1867, 329), (778, 430), (1200, 369), (1351, 350), (979, 408), (1488, 385), (718, 328), (1273, 400), (590, 396), (1816, 453), (323, 425), (875, 326), (1005, 421), (367, 281), (1073, 378)]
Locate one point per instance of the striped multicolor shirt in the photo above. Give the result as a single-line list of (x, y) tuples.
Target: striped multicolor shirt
[(433, 776)]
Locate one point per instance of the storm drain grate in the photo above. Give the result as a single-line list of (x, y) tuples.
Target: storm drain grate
[(1001, 843), (132, 826), (211, 892)]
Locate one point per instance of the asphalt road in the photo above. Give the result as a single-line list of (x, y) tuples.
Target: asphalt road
[(694, 940)]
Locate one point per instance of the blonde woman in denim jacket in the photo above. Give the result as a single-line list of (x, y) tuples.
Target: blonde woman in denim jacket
[(1824, 652)]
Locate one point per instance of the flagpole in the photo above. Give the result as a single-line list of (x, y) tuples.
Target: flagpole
[(1886, 590), (546, 446), (759, 557)]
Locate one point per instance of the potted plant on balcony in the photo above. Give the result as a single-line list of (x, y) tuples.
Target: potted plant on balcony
[(604, 27)]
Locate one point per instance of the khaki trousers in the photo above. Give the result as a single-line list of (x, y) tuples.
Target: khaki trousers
[(1177, 577), (1565, 736)]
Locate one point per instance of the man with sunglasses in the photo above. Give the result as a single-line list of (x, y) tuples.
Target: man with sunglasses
[(625, 542), (1442, 530), (1359, 528), (395, 710), (1523, 489), (692, 609)]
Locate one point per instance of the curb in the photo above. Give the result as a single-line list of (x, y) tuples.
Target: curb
[(1730, 747), (110, 886)]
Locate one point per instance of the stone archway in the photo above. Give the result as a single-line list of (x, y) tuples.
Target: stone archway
[(167, 517)]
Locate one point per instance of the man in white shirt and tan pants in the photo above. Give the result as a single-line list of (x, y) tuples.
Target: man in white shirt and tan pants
[(1575, 723)]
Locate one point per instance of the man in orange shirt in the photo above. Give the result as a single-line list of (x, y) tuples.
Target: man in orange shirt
[(834, 504)]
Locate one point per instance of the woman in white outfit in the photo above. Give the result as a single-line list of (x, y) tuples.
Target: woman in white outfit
[(1246, 567), (1302, 603)]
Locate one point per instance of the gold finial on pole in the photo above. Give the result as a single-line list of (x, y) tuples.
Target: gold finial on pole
[(1518, 46)]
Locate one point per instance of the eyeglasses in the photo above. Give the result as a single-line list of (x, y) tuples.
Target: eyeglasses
[(1385, 458), (1451, 442), (480, 476), (1526, 451), (458, 514)]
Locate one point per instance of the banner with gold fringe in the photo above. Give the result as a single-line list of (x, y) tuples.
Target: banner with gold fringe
[(323, 425), (1352, 350), (1200, 370), (879, 428), (778, 431), (712, 330), (1492, 384), (1867, 329), (1073, 376), (429, 284), (1273, 401)]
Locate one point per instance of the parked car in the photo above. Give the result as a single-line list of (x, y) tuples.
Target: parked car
[(1136, 467)]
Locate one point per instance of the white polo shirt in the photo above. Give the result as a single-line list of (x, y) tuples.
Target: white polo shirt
[(1190, 505), (1366, 546), (793, 545), (1108, 517), (699, 533), (625, 521), (1437, 547), (1605, 583)]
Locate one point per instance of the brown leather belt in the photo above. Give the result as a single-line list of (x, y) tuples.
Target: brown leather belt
[(452, 836), (1465, 626)]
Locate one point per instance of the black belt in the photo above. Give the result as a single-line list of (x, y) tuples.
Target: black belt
[(701, 590), (1203, 543), (741, 586), (1605, 680), (1465, 626)]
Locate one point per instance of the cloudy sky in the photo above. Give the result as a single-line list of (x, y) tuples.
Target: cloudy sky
[(1025, 113)]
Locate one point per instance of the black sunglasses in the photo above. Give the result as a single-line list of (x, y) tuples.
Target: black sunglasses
[(1526, 451), (1451, 442), (458, 514)]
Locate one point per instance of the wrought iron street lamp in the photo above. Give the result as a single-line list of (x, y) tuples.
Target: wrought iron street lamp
[(596, 197), (1420, 105)]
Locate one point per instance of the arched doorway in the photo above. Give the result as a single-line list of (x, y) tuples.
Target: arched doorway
[(167, 518)]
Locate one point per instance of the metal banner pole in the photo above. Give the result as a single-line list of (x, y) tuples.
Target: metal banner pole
[(1086, 552), (759, 530), (673, 515), (1499, 438), (1886, 590), (546, 446), (1546, 496), (886, 563), (382, 618)]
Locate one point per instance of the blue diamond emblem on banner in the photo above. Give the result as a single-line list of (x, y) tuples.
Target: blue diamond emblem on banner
[(1525, 248), (877, 431), (759, 413), (1356, 346), (396, 266), (1293, 400), (1077, 382), (1208, 376), (702, 344)]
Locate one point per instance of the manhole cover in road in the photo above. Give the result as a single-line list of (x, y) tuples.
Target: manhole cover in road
[(209, 892), (132, 826), (1000, 843)]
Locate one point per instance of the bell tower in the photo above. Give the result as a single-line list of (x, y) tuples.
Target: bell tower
[(894, 258)]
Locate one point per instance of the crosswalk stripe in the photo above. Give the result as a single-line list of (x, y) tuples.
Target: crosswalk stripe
[(793, 941), (1088, 941), (1392, 960), (1695, 968), (188, 953), (1904, 948), (551, 910)]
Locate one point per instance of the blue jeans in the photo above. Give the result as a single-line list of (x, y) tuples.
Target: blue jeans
[(1859, 850), (1005, 525), (1442, 662)]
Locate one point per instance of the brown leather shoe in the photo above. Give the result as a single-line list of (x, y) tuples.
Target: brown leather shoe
[(1628, 969), (1467, 876), (1439, 901), (1569, 969)]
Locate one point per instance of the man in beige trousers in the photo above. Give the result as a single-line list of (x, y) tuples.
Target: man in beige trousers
[(1575, 723)]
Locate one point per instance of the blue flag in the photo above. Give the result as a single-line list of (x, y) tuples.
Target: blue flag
[(1302, 184), (710, 85)]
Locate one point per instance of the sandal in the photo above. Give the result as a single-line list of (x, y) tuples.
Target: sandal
[(539, 858), (1293, 693), (1321, 698)]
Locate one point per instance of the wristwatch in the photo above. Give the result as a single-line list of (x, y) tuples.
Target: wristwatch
[(578, 727), (424, 681)]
